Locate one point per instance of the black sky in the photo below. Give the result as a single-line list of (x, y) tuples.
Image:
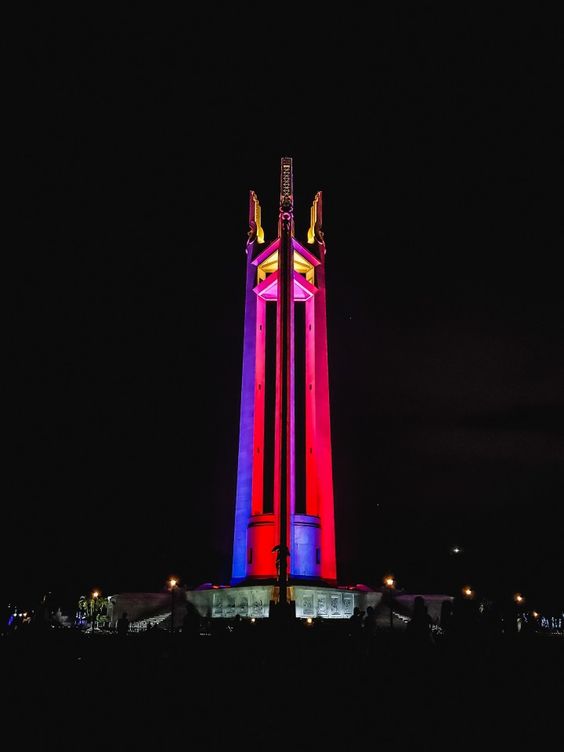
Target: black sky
[(436, 140)]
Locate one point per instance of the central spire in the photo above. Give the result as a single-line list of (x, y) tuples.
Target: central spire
[(286, 185), (285, 484), (286, 196)]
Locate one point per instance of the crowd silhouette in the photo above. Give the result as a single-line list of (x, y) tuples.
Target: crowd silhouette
[(229, 673)]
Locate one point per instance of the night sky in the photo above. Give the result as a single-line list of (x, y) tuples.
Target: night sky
[(436, 141)]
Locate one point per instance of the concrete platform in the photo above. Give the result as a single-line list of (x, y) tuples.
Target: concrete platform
[(254, 601)]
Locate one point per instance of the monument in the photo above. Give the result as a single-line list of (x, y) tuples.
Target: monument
[(284, 531), (284, 556), (284, 479)]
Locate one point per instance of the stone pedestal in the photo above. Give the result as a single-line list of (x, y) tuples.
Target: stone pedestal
[(253, 601)]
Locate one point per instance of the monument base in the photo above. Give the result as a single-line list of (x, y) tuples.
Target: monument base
[(256, 601)]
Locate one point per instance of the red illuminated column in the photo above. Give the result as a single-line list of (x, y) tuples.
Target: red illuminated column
[(323, 431)]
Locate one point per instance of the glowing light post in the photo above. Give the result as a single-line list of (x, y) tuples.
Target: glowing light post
[(94, 606), (172, 582), (519, 601), (390, 583)]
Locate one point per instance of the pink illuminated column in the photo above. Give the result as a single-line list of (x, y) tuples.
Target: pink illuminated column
[(323, 503)]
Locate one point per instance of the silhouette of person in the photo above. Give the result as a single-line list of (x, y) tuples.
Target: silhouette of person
[(191, 621), (419, 627), (356, 621), (123, 624), (446, 615), (280, 552), (369, 630), (370, 625)]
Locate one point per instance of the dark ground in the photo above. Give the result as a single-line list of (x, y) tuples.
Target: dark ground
[(254, 689)]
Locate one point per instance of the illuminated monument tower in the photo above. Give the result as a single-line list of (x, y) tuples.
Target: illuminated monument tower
[(284, 480), (284, 500)]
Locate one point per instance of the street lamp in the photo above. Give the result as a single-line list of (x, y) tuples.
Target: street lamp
[(390, 583), (172, 583), (467, 592), (95, 595), (518, 598)]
